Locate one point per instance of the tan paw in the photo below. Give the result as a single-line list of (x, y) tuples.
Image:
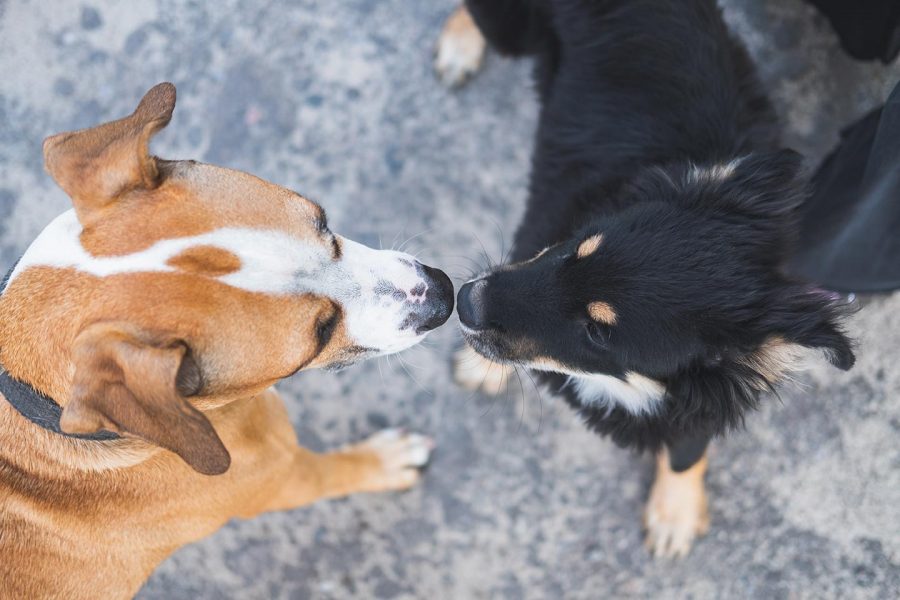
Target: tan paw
[(460, 49), (479, 374), (676, 512), (400, 458)]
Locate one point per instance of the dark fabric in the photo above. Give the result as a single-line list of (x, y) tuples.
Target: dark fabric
[(34, 406), (685, 453), (850, 237), (868, 29)]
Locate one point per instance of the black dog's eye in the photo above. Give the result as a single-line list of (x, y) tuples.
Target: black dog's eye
[(597, 333)]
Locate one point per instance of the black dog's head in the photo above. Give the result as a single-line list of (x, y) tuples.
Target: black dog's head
[(682, 290)]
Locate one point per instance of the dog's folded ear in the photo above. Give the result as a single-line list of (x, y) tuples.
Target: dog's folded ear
[(766, 185), (132, 382), (98, 165), (812, 317)]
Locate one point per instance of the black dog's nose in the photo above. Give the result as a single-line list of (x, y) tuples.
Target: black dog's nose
[(438, 299), (471, 304)]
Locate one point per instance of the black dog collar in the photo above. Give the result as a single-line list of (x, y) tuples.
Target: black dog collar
[(33, 405)]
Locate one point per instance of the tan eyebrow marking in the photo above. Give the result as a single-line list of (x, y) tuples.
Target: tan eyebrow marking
[(590, 245), (602, 313), (206, 260)]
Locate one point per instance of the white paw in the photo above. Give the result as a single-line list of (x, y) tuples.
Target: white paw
[(477, 373), (401, 454), (676, 514), (460, 49)]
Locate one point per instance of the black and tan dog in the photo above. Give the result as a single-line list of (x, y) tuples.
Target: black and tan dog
[(140, 335), (646, 284)]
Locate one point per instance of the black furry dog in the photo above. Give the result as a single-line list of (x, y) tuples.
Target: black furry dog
[(646, 281)]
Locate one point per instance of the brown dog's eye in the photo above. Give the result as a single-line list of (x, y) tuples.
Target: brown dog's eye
[(321, 223), (325, 328), (188, 379)]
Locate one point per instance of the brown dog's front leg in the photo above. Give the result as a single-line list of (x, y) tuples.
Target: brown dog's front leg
[(389, 460)]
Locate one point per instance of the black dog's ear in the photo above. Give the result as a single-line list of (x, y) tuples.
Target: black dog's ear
[(721, 387), (766, 185), (811, 317)]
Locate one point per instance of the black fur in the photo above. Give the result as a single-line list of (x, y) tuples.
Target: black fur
[(655, 132)]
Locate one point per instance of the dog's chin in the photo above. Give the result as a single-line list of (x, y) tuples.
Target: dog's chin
[(339, 366), (401, 345), (358, 354), (483, 344)]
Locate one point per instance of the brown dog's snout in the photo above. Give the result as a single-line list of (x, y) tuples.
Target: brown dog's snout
[(438, 304)]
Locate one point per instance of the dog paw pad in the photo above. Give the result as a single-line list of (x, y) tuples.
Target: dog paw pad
[(675, 516), (401, 455)]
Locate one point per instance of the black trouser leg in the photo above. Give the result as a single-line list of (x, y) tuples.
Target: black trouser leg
[(868, 29), (850, 226)]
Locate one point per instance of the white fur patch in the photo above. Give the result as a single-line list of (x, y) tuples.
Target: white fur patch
[(638, 395), (269, 259), (374, 319), (272, 262), (715, 173)]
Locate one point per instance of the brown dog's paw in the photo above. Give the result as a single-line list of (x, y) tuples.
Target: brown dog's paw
[(460, 49), (479, 374), (400, 458), (676, 511)]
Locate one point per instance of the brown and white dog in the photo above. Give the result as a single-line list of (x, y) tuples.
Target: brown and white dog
[(152, 321)]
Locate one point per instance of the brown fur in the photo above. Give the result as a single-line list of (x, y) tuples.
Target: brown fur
[(460, 49), (676, 511), (180, 365), (589, 246), (775, 359), (206, 260), (602, 312)]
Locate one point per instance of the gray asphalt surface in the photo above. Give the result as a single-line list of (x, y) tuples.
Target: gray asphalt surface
[(337, 100)]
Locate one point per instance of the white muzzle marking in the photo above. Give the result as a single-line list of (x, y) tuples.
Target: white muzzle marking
[(376, 288)]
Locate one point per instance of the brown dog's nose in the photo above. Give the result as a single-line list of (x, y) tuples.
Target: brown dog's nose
[(471, 304), (438, 299)]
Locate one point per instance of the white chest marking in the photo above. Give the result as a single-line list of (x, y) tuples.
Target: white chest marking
[(638, 395)]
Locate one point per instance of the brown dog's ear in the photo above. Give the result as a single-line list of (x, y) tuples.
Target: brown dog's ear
[(129, 382), (95, 166)]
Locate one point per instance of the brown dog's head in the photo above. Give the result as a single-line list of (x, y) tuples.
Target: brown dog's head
[(176, 279)]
